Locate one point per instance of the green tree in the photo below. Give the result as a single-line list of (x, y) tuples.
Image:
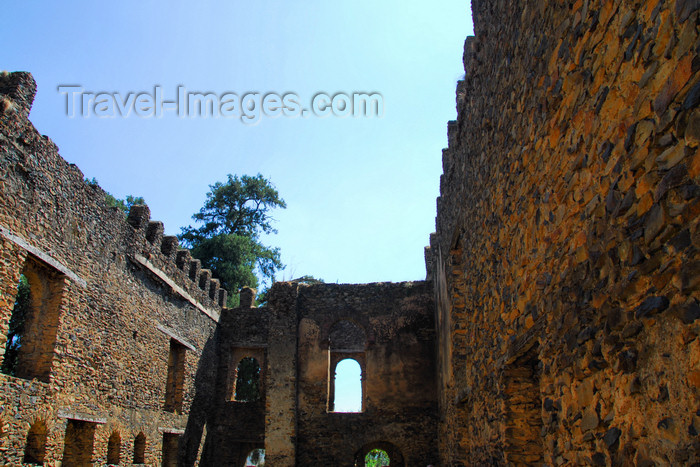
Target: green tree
[(248, 380), (233, 217), (14, 335), (124, 204), (376, 458)]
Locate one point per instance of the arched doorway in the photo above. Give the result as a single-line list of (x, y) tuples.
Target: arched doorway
[(377, 458)]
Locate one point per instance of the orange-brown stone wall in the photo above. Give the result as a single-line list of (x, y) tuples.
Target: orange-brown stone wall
[(568, 224), (107, 292)]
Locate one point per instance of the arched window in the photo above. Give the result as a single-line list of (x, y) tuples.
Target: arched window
[(348, 386), (256, 458), (346, 346), (140, 449), (114, 448), (376, 458), (247, 386), (35, 449)]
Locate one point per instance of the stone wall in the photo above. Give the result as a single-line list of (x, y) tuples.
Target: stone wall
[(237, 427), (399, 407), (565, 260), (290, 337), (127, 355), (559, 315), (109, 295)]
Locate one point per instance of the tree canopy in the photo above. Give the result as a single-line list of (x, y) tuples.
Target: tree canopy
[(248, 380), (376, 458), (233, 217), (124, 204)]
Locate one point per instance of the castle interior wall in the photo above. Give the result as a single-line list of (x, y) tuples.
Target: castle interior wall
[(568, 223), (109, 296)]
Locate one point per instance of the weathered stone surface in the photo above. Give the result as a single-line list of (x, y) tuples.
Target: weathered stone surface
[(650, 306), (567, 225), (96, 355), (691, 312), (612, 437), (296, 339), (577, 160)]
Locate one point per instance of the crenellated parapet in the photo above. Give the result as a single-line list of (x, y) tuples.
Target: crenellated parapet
[(118, 333), (20, 87), (163, 252), (77, 202)]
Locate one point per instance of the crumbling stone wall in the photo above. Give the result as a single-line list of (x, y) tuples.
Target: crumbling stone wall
[(235, 428), (110, 293), (568, 223), (129, 357), (399, 406), (291, 335)]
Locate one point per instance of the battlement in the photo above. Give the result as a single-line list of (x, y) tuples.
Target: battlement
[(163, 251), (20, 87), (63, 188)]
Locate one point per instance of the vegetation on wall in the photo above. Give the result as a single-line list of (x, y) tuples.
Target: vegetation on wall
[(122, 204)]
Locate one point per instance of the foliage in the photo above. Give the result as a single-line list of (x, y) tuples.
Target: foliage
[(240, 206), (234, 216), (376, 458), (122, 204), (307, 279), (248, 380), (14, 336)]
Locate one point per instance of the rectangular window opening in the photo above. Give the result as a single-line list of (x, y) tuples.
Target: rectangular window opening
[(175, 384), (31, 336), (170, 446), (79, 443), (523, 410)]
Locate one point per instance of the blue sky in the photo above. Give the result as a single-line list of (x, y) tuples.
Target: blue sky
[(360, 191)]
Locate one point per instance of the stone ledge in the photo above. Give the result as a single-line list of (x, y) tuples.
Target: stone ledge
[(169, 332), (213, 314), (82, 417), (42, 256)]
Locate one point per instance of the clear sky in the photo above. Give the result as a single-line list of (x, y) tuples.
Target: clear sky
[(360, 191)]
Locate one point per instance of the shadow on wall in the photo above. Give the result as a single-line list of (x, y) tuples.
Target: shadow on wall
[(200, 411)]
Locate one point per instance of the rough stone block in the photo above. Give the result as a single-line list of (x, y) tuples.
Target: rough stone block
[(139, 216)]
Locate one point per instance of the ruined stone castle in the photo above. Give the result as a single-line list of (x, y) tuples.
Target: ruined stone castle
[(557, 325)]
